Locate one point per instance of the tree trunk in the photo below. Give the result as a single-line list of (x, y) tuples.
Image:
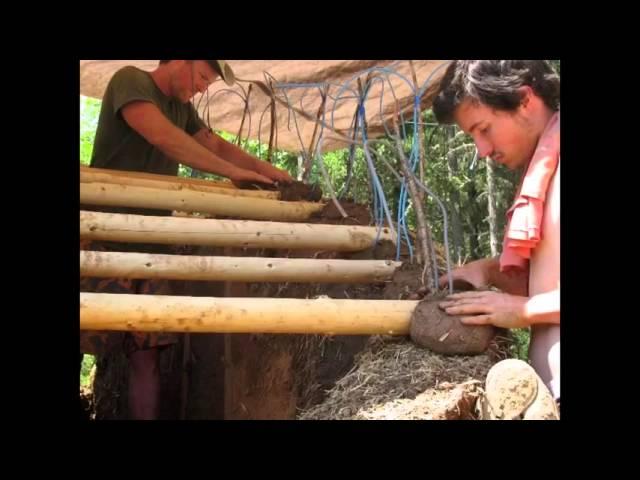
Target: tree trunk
[(300, 170), (456, 224), (491, 202), (475, 220)]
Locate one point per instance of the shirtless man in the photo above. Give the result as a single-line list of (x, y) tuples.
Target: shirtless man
[(511, 108)]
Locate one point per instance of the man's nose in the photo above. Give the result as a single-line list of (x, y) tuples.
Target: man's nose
[(484, 148)]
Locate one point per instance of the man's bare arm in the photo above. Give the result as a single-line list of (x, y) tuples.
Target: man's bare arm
[(146, 119), (515, 282), (233, 154), (485, 272)]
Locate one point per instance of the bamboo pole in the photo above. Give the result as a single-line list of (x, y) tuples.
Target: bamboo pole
[(233, 269), (204, 202), (88, 176), (119, 227), (165, 313)]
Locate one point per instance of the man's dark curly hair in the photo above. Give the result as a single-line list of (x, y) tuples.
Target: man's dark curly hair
[(494, 83)]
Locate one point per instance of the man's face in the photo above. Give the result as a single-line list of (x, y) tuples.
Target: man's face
[(507, 137), (190, 78)]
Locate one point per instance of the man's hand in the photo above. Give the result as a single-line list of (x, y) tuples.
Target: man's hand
[(281, 176), (275, 174), (234, 155), (242, 175), (488, 308), (476, 273)]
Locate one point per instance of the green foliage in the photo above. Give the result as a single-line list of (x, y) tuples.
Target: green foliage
[(89, 113), (463, 188), (520, 346), (85, 371)]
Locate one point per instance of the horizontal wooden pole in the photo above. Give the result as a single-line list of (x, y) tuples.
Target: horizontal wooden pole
[(155, 176), (171, 183), (119, 227), (233, 269), (191, 201), (164, 313)]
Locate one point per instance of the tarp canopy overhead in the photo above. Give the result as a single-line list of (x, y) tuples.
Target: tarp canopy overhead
[(296, 88)]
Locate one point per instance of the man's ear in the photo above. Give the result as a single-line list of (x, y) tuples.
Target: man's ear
[(526, 92)]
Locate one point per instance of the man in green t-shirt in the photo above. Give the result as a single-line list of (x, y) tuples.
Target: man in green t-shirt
[(147, 124)]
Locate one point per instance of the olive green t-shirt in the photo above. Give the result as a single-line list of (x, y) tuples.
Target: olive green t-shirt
[(117, 145)]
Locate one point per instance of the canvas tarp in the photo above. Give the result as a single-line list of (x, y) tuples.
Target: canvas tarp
[(295, 87)]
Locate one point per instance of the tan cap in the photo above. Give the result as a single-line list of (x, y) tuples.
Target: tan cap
[(224, 70)]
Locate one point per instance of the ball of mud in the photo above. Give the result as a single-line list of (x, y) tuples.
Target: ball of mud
[(434, 329), (296, 191)]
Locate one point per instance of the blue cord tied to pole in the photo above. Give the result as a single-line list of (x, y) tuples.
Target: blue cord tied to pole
[(380, 205)]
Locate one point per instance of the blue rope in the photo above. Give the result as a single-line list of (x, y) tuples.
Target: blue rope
[(380, 206)]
